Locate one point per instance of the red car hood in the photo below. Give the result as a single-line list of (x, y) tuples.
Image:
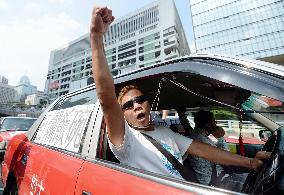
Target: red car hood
[(246, 140), (235, 140), (7, 135)]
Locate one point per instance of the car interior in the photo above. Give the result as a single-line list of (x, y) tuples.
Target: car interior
[(191, 92)]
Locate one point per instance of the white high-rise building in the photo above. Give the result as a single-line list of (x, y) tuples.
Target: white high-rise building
[(149, 35)]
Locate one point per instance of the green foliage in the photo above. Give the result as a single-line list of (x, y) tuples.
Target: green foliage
[(224, 115)]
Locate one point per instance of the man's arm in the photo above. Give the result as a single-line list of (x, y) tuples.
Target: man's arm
[(101, 19), (224, 157)]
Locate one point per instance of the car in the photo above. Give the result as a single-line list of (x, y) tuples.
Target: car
[(66, 150), (11, 126)]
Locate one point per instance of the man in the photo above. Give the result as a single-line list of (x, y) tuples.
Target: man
[(205, 125), (126, 119), (208, 172)]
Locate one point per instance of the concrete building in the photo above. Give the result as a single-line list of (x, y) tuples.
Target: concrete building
[(142, 38), (35, 99), (24, 88), (7, 92), (253, 29)]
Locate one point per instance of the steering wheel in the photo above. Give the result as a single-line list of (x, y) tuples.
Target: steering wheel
[(267, 179)]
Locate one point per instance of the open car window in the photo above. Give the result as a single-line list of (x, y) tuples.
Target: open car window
[(193, 92)]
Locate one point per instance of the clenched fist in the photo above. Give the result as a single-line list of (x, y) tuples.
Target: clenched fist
[(101, 19)]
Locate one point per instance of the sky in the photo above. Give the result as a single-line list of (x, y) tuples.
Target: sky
[(30, 29)]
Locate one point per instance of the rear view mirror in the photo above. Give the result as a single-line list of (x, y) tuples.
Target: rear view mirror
[(264, 135)]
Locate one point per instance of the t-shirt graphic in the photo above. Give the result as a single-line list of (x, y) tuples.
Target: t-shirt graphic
[(165, 161)]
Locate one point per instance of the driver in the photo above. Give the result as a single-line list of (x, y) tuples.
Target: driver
[(128, 116)]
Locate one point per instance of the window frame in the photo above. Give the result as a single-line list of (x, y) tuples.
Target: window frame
[(83, 150)]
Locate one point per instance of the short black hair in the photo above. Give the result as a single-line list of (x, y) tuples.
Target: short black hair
[(202, 118)]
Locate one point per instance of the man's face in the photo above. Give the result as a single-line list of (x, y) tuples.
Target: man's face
[(139, 113), (211, 126), (215, 130)]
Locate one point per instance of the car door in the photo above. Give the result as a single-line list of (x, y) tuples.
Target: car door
[(102, 177), (51, 161), (102, 174)]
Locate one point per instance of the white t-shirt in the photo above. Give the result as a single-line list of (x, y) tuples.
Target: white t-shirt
[(138, 152)]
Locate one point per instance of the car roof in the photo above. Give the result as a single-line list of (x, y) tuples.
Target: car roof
[(253, 75), (274, 70), (250, 63), (250, 75)]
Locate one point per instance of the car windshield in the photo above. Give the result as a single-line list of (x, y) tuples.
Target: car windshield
[(270, 108), (17, 124)]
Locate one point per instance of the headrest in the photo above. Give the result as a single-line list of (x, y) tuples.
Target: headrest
[(166, 122), (171, 122)]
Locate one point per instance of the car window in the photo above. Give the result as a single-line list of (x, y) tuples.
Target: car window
[(17, 124), (65, 127), (88, 97)]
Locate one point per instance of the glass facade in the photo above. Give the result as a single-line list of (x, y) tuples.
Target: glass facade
[(253, 29)]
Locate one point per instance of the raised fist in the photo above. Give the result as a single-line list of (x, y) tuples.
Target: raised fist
[(101, 19)]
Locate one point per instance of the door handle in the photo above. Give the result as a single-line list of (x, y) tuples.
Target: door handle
[(86, 193)]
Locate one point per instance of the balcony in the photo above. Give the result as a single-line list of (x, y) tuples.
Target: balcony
[(171, 52)]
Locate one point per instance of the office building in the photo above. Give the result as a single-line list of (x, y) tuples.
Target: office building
[(7, 92), (253, 29), (149, 35), (35, 99)]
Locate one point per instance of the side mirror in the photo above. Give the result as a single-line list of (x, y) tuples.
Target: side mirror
[(264, 135)]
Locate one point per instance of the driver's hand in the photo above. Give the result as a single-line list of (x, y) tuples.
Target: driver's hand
[(256, 162), (218, 132)]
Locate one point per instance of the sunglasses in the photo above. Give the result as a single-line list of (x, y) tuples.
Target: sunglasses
[(130, 104)]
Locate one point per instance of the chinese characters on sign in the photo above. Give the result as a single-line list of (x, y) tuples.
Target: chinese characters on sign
[(65, 128)]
